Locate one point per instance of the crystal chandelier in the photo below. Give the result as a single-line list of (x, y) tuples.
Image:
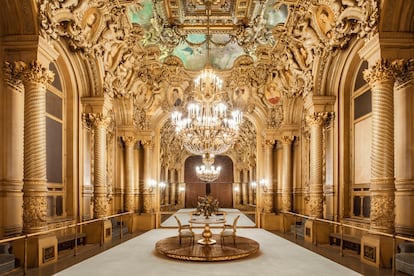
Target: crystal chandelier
[(208, 172), (208, 125)]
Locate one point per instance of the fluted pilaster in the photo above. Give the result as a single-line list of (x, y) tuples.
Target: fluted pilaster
[(315, 121), (149, 190), (381, 79), (404, 152), (129, 197), (245, 187), (267, 188), (287, 184), (11, 185), (173, 188)]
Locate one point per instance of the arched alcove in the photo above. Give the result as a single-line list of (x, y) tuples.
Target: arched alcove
[(220, 188)]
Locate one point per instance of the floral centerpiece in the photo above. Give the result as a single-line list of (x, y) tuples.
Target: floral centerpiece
[(207, 205)]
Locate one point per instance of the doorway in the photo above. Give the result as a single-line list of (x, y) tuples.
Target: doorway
[(221, 189)]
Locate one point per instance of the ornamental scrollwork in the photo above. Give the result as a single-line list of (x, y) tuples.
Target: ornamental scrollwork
[(382, 211), (32, 72), (381, 71), (35, 211)]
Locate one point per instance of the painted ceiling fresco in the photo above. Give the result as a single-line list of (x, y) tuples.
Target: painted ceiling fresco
[(224, 48)]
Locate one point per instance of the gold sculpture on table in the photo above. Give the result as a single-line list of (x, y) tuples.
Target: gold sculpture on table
[(207, 205)]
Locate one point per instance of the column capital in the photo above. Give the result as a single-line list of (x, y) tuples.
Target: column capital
[(147, 144), (96, 119), (129, 140), (11, 77), (317, 118), (381, 71), (268, 142), (33, 72), (404, 71), (287, 139)]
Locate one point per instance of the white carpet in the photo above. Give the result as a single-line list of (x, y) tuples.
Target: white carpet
[(184, 216), (275, 257)]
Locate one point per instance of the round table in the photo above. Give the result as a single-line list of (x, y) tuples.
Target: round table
[(207, 232)]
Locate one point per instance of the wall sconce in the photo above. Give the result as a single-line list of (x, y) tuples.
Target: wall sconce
[(253, 185), (263, 184), (163, 186), (152, 184), (181, 189), (236, 189)]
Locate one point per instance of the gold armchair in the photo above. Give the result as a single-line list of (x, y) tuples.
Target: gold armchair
[(229, 230), (184, 231)]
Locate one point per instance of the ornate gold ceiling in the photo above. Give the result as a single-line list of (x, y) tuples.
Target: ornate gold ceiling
[(225, 15)]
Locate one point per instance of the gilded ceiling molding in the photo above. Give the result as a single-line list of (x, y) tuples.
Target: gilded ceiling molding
[(101, 30), (314, 30)]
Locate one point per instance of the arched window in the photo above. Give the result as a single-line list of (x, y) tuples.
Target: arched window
[(54, 149), (361, 108)]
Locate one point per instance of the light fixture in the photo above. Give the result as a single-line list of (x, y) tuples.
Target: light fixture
[(208, 172), (152, 184), (162, 185), (208, 125), (253, 185), (263, 184)]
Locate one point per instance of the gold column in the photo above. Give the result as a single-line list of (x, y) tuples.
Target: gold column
[(129, 197), (139, 178), (100, 193), (245, 187), (35, 78), (315, 122), (167, 186), (381, 79), (11, 142), (173, 188), (149, 184), (404, 152), (252, 191), (266, 187), (287, 184)]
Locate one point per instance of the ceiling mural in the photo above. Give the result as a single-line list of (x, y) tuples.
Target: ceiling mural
[(266, 52), (194, 57), (184, 28)]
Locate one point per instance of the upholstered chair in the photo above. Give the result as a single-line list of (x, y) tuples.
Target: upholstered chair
[(184, 231), (229, 230)]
